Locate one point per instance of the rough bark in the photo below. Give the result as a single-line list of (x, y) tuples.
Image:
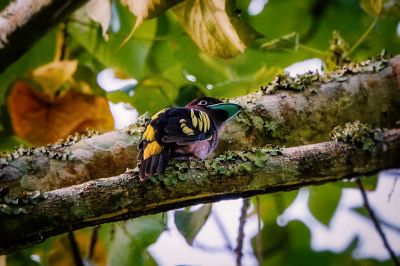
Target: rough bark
[(285, 117), (23, 22), (289, 117), (232, 175)]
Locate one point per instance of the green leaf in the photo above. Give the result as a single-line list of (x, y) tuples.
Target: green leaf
[(214, 27), (284, 43), (245, 84), (8, 143), (153, 94), (189, 223), (119, 96), (323, 201), (372, 7), (4, 3), (129, 59), (187, 93), (53, 75), (85, 81), (132, 238)]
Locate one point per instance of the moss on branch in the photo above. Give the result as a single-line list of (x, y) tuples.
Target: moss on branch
[(230, 175)]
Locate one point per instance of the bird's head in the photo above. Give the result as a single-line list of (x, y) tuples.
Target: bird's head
[(219, 110)]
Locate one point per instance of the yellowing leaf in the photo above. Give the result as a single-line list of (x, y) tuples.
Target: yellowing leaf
[(39, 121), (100, 11), (51, 76), (372, 7), (146, 9), (214, 27)]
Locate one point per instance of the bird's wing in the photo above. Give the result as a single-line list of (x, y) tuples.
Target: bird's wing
[(186, 126), (181, 126), (153, 154)]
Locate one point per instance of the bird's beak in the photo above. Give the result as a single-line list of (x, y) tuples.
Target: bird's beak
[(231, 109)]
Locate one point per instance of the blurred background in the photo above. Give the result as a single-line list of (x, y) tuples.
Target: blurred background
[(87, 73)]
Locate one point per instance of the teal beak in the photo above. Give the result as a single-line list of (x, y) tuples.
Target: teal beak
[(231, 109)]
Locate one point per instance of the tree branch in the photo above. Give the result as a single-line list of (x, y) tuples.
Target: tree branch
[(23, 22), (228, 176), (376, 224), (240, 238), (280, 115)]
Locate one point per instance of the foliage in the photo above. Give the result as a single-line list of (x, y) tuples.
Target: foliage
[(178, 50), (189, 223)]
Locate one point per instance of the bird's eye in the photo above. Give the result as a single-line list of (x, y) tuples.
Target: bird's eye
[(203, 102)]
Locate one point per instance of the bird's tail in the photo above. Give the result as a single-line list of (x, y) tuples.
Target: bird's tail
[(154, 165)]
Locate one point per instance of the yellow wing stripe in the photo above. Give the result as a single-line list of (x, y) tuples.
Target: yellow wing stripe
[(185, 129), (206, 121), (194, 118), (153, 148), (158, 113), (149, 134), (200, 121)]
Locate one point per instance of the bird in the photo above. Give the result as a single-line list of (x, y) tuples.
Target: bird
[(182, 133)]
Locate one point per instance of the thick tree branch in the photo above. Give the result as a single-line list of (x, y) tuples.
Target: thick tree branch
[(23, 22), (232, 175), (281, 115), (285, 117)]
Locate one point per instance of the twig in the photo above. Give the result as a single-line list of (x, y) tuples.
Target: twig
[(121, 34), (362, 38), (376, 223), (258, 236), (312, 49), (75, 249), (242, 221), (206, 248), (93, 241), (164, 220), (212, 249), (389, 225), (394, 185)]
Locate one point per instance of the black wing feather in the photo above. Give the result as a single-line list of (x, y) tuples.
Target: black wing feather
[(168, 132)]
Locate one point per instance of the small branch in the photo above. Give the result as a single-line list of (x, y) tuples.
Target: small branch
[(75, 249), (93, 241), (376, 223), (312, 49), (207, 248), (240, 238), (390, 225), (362, 38), (393, 186)]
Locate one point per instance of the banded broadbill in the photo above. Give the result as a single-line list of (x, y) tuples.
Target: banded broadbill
[(182, 133)]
